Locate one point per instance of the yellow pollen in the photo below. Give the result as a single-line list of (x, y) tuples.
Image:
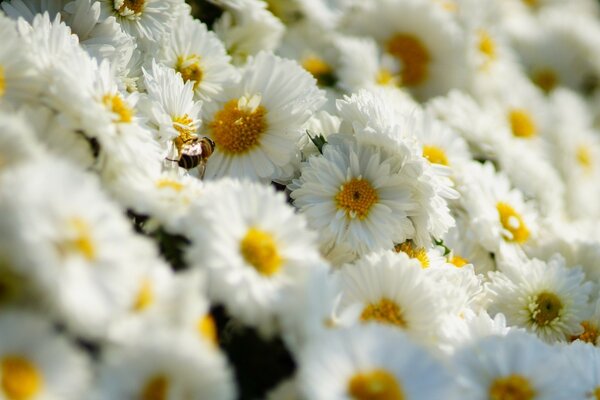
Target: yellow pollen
[(435, 155), (157, 388), (145, 296), (115, 104), (2, 81), (236, 131), (545, 79), (170, 184), (377, 384), (487, 47), (521, 123), (21, 379), (385, 77), (356, 197), (260, 250), (137, 6), (385, 311), (186, 128), (189, 68), (458, 261), (584, 157), (80, 240), (547, 308), (511, 387), (414, 57), (319, 69), (418, 253), (513, 223), (590, 334), (208, 329)]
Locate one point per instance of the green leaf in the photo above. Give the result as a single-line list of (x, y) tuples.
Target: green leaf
[(319, 141), (441, 243)]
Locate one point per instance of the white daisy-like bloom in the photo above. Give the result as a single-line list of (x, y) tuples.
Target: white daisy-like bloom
[(591, 327), (371, 362), (38, 363), (199, 56), (28, 9), (392, 289), (546, 298), (355, 193), (257, 125), (18, 143), (583, 361), (499, 214), (517, 366), (429, 256), (76, 247), (173, 114), (164, 364), (247, 28), (143, 19), (425, 40), (253, 247), (441, 145)]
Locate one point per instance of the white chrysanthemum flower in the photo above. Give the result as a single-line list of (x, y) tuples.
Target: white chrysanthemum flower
[(18, 143), (164, 364), (253, 247), (517, 366), (257, 126), (441, 145), (583, 363), (144, 19), (356, 194), (38, 363), (247, 28), (370, 362), (173, 113), (391, 289), (425, 40), (199, 56), (75, 246), (547, 299)]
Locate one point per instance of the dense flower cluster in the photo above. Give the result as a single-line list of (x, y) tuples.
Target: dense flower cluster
[(299, 199)]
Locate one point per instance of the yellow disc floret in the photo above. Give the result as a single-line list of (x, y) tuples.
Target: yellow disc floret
[(418, 253), (590, 334), (170, 184), (377, 384), (458, 261), (78, 240), (186, 128), (413, 55), (545, 308), (545, 79), (487, 47), (319, 69), (435, 155), (190, 69), (157, 388), (584, 157), (521, 123), (385, 311), (356, 197), (145, 296), (118, 106), (2, 81), (513, 223), (237, 129), (20, 378), (259, 249), (208, 329), (511, 387)]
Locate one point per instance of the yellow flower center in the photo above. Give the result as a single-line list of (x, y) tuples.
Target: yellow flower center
[(208, 329), (189, 68), (596, 393), (80, 240), (447, 5), (186, 128), (378, 384), (260, 250), (385, 311), (157, 388), (356, 197), (385, 77), (169, 184), (531, 3), (117, 106), (11, 285), (545, 79), (546, 308), (127, 7), (522, 123), (590, 334), (458, 261), (321, 71), (512, 387), (418, 253), (145, 296), (435, 155), (21, 379), (414, 57), (513, 223), (584, 157), (2, 81), (237, 130), (487, 47)]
